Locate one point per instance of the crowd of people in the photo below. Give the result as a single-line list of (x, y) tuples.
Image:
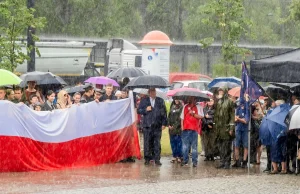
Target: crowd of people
[(39, 100), (222, 122)]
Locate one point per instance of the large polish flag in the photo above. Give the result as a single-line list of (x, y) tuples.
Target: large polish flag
[(85, 135)]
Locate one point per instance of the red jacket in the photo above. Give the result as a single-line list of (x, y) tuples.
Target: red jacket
[(189, 121)]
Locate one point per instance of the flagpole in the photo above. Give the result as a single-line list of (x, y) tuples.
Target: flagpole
[(249, 140), (269, 96)]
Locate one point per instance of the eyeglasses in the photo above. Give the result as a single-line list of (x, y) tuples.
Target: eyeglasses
[(65, 95)]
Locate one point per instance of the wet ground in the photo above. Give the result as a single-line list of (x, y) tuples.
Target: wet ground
[(137, 178)]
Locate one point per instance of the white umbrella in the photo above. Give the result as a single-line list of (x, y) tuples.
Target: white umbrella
[(294, 115), (144, 91)]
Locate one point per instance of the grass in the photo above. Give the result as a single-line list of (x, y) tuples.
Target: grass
[(165, 143), (165, 139)]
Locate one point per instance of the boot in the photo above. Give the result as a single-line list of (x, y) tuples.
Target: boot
[(236, 164), (244, 164)]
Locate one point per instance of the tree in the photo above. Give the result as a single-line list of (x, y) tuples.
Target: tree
[(227, 18), (233, 70), (164, 15), (174, 67), (93, 18), (295, 10), (15, 18), (193, 68), (292, 24)]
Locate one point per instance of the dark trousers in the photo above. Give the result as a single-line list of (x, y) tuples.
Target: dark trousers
[(176, 145), (225, 151), (278, 150), (291, 150), (269, 156), (209, 139), (152, 147)]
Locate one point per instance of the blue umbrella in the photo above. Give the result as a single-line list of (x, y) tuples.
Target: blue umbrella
[(225, 81), (264, 133), (273, 125)]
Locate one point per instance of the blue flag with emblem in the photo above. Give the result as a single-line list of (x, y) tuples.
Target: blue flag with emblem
[(250, 90)]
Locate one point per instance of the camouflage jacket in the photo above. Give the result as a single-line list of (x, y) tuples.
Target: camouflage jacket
[(174, 119), (224, 118)]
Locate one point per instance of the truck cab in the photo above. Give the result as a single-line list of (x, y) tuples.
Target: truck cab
[(122, 53)]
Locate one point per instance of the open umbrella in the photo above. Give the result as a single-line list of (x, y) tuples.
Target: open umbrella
[(8, 78), (208, 93), (294, 117), (159, 93), (75, 89), (264, 132), (286, 85), (292, 87), (235, 91), (275, 121), (228, 82), (101, 80), (42, 78), (126, 72), (276, 92), (148, 81), (172, 92), (186, 92)]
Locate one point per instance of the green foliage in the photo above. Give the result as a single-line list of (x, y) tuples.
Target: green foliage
[(194, 68), (15, 18), (227, 18), (174, 67), (226, 21), (206, 42), (165, 15), (291, 24), (274, 22), (93, 18), (219, 70), (295, 10)]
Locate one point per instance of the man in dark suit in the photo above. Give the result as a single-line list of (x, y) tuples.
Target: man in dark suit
[(155, 119)]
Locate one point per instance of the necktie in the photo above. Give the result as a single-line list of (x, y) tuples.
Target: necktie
[(52, 106)]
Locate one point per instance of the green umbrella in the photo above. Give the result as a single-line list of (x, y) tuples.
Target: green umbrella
[(8, 78)]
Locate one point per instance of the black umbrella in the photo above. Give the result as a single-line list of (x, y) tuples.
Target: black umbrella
[(126, 72), (276, 92), (186, 92), (42, 78), (272, 87), (148, 81), (75, 89), (288, 86)]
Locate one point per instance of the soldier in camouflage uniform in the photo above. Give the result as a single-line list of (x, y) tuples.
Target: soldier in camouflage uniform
[(224, 126)]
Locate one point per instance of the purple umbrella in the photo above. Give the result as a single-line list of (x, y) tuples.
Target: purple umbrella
[(102, 81)]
